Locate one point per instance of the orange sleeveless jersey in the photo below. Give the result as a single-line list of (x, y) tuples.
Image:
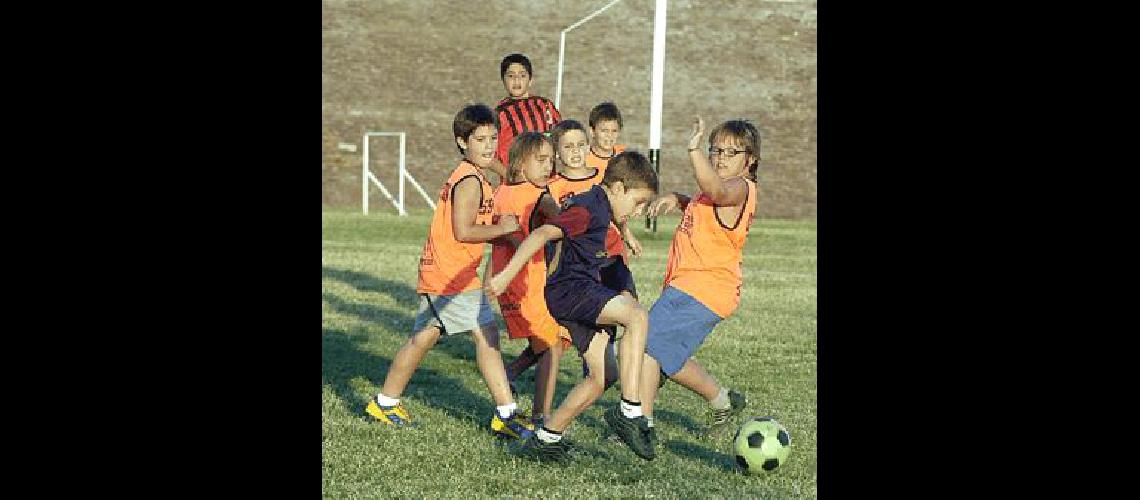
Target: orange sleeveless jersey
[(523, 304), (706, 256), (562, 188), (447, 265)]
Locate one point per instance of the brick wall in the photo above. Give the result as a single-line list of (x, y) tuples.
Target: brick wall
[(410, 66)]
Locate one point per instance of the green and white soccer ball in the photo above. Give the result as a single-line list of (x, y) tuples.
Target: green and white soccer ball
[(761, 445)]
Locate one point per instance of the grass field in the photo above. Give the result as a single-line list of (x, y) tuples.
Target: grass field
[(766, 349)]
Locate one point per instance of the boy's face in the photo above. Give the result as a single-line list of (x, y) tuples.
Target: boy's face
[(517, 81), (572, 149), (728, 167), (536, 168), (479, 148), (628, 202), (605, 134)]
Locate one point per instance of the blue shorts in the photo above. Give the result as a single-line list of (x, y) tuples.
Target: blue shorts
[(678, 325)]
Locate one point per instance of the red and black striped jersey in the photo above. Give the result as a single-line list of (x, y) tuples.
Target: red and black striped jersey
[(531, 114)]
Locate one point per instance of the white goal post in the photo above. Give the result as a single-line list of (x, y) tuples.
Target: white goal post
[(366, 175), (562, 50)]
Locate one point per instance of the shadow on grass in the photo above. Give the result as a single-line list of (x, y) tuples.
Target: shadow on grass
[(343, 359), (711, 457), (457, 346), (403, 294)]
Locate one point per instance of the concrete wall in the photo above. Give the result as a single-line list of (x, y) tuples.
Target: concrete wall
[(410, 66)]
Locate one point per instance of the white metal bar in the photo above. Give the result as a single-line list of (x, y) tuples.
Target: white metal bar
[(386, 193), (561, 57), (655, 94), (421, 190), (562, 50), (364, 173), (402, 210)]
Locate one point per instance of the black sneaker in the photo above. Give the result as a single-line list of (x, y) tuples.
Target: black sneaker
[(537, 449), (737, 402), (634, 432)]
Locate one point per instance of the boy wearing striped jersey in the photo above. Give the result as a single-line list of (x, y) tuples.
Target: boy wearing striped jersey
[(704, 273), (451, 295), (520, 111)]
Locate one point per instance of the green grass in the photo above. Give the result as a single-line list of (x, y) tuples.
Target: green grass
[(767, 349)]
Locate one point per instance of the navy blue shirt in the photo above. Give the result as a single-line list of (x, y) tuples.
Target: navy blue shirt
[(584, 220)]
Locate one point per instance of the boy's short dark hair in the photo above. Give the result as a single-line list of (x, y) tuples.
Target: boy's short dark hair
[(605, 111), (511, 59), (471, 117), (560, 130), (632, 169)]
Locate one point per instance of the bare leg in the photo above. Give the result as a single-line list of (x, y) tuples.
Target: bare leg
[(490, 362), (696, 379), (587, 391), (547, 377), (621, 310), (407, 360), (650, 377), (522, 363)]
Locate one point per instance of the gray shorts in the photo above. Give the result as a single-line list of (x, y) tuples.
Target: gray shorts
[(458, 313)]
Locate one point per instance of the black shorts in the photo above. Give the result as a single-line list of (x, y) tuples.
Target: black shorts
[(617, 276), (581, 334)]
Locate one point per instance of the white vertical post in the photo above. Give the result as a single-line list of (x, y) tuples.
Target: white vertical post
[(656, 91), (364, 174), (402, 174), (561, 57)]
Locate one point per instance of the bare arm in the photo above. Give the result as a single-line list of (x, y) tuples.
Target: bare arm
[(529, 246), (465, 207), (664, 204), (631, 241), (722, 192)]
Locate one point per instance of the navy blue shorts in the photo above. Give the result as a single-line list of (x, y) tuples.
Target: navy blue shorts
[(580, 301), (617, 276), (678, 325), (581, 334)]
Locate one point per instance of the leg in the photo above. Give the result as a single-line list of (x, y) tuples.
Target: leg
[(546, 378), (490, 362), (522, 363), (650, 376), (696, 379), (587, 391), (407, 359), (623, 311)]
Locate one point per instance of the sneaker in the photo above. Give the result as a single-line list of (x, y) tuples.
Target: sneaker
[(391, 415), (515, 427), (737, 402), (632, 431), (542, 451), (651, 438)]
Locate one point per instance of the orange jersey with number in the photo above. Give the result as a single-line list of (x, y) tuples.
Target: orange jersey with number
[(562, 188), (447, 265), (523, 304), (706, 256)]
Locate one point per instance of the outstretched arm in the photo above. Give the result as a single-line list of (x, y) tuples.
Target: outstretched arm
[(529, 246), (722, 192), (666, 203), (465, 207)]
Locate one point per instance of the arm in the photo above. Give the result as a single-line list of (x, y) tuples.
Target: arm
[(530, 246), (723, 193), (630, 240), (664, 204), (465, 207)]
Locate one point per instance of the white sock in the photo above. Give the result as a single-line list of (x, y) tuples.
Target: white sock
[(629, 409), (383, 400), (649, 419), (506, 410), (720, 402), (547, 436)]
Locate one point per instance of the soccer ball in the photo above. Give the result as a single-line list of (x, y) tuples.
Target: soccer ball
[(761, 445)]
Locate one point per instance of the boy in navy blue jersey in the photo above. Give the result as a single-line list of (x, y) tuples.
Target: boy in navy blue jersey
[(579, 301)]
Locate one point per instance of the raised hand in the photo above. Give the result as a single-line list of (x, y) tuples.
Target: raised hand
[(698, 132)]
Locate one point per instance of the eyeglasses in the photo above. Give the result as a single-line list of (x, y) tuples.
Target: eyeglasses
[(728, 152)]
